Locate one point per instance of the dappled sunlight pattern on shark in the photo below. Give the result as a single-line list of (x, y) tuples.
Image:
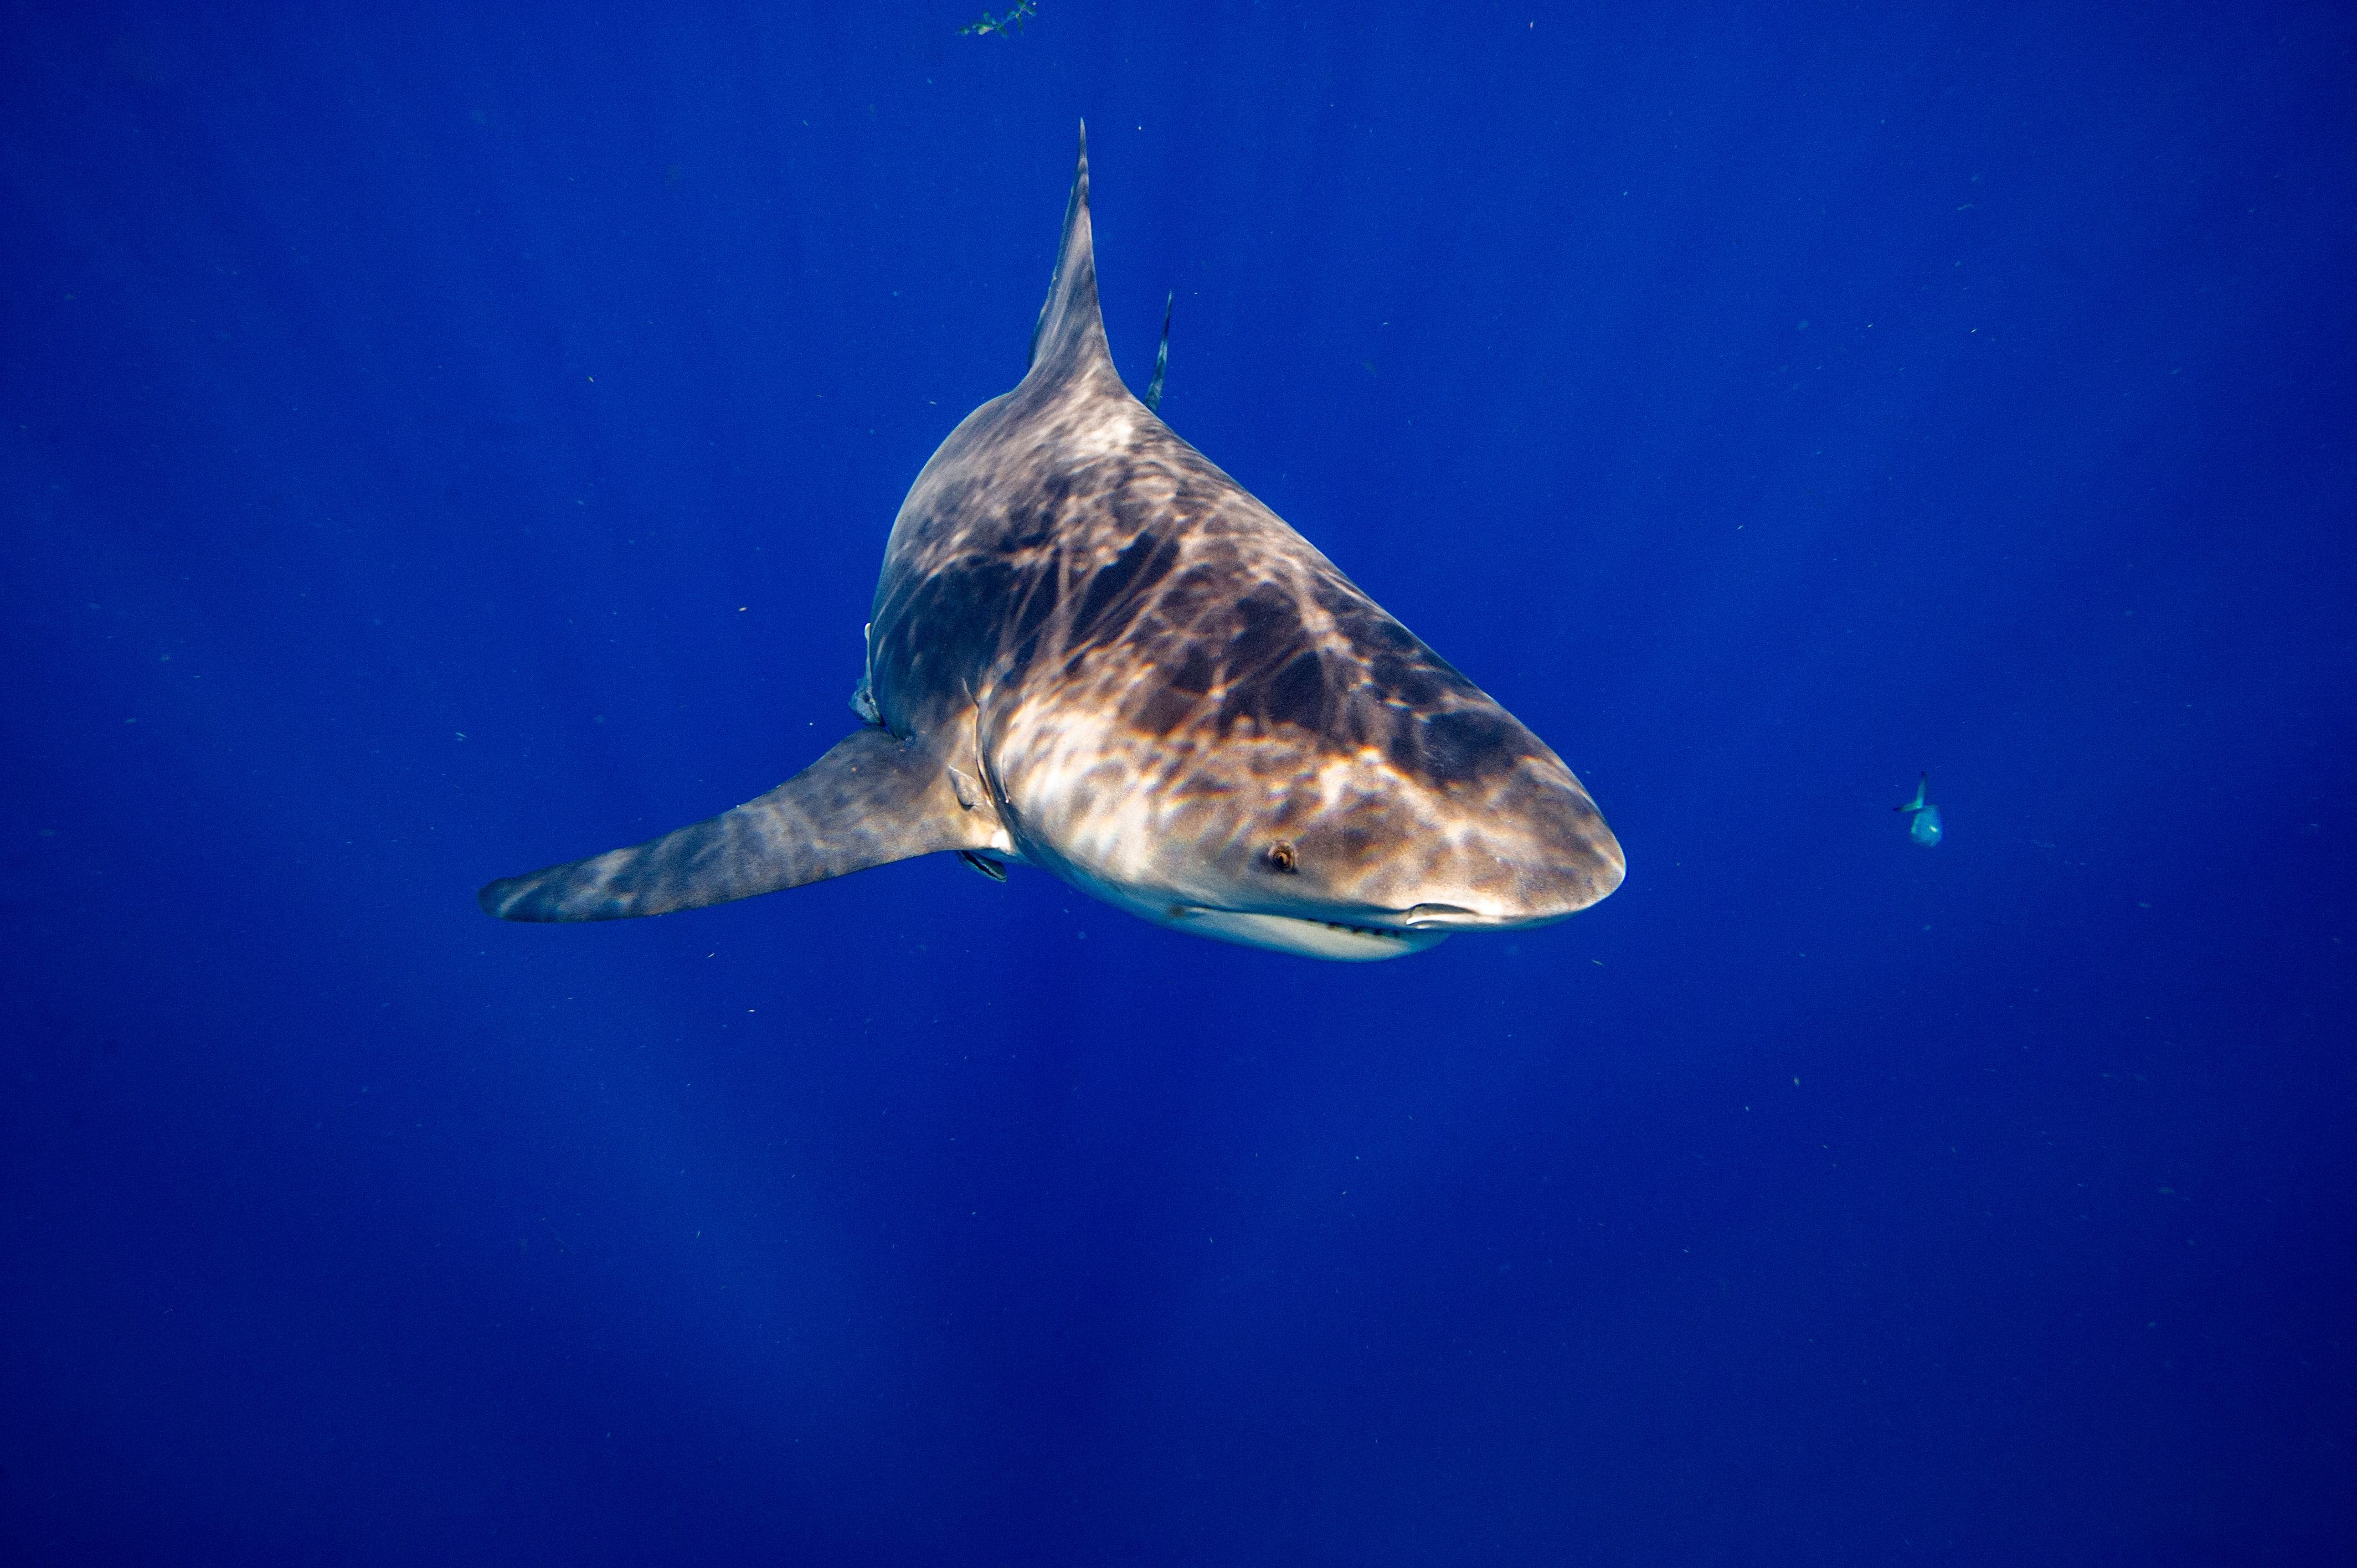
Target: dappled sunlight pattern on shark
[(1092, 652)]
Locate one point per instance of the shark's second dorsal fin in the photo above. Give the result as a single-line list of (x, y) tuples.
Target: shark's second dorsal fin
[(1071, 328)]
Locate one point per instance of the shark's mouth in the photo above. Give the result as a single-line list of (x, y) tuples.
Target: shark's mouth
[(1307, 935)]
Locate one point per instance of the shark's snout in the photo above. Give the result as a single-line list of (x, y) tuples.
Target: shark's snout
[(1525, 848)]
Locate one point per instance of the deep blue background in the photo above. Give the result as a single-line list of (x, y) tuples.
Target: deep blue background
[(439, 440)]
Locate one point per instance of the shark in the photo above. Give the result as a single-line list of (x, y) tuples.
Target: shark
[(1092, 652)]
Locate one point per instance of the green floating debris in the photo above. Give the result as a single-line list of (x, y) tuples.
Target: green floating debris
[(1005, 26)]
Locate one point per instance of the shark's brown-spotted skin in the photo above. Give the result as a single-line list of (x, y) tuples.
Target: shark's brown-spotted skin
[(1137, 676)]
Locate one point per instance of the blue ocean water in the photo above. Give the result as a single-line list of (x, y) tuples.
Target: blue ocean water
[(437, 441)]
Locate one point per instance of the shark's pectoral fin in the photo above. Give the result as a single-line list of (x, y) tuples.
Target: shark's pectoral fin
[(869, 801)]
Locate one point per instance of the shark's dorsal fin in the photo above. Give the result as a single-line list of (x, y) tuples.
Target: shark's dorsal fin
[(1071, 328)]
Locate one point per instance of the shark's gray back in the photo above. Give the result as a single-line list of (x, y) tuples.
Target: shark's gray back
[(1066, 541)]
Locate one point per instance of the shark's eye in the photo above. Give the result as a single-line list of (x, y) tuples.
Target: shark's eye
[(1281, 856)]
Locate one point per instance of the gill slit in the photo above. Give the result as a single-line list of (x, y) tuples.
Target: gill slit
[(983, 769)]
